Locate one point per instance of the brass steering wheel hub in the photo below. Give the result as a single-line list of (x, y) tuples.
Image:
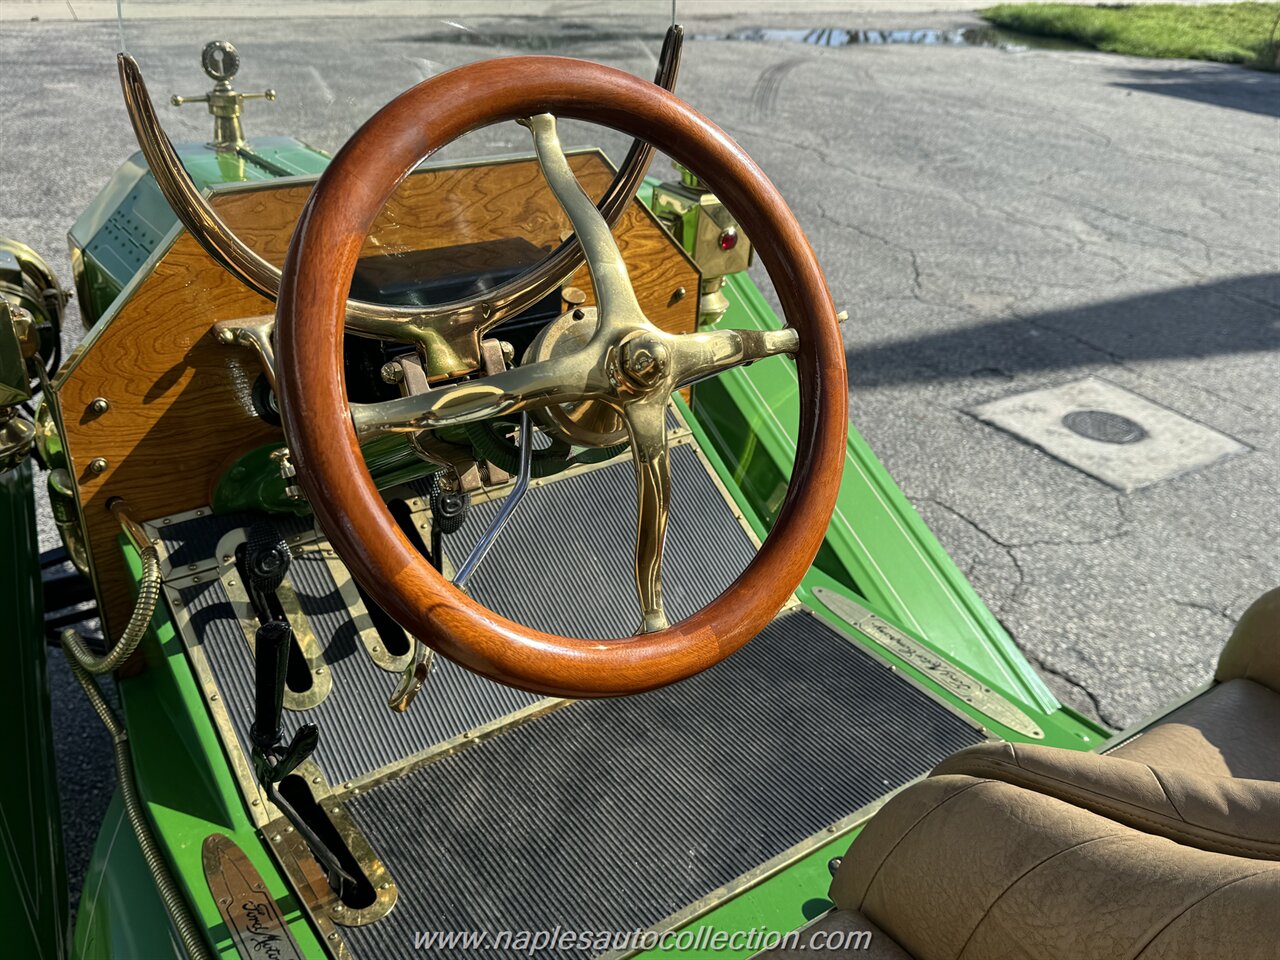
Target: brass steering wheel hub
[(587, 423)]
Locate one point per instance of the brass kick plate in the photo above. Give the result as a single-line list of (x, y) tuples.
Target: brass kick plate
[(252, 917)]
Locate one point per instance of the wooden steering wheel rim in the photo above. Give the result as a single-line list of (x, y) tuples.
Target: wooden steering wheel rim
[(309, 329)]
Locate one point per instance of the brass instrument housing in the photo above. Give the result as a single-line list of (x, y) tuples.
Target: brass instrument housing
[(698, 220)]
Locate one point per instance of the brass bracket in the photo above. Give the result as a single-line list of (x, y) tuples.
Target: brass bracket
[(257, 334), (471, 475)]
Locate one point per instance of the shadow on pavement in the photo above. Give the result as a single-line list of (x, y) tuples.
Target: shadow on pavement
[(1236, 87), (1239, 315)]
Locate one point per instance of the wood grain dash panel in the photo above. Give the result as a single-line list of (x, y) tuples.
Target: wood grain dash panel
[(180, 405), (432, 208)]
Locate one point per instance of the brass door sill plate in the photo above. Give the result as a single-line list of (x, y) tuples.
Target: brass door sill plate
[(1110, 433), (251, 914)]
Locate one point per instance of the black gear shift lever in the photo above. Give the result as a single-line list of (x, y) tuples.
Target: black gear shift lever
[(263, 561)]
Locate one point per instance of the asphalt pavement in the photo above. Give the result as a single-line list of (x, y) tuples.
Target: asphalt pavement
[(994, 220)]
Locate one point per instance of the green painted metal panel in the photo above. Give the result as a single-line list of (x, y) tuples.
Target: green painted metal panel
[(877, 544), (120, 913), (33, 881)]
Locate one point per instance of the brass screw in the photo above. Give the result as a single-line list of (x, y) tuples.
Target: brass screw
[(392, 372), (98, 466), (574, 295), (99, 405)]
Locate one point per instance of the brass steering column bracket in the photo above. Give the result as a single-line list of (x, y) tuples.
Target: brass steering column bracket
[(254, 333), (448, 335)]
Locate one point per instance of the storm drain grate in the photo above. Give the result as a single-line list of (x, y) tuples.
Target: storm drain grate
[(1121, 438)]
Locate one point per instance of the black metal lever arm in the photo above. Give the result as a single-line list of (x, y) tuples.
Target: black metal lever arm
[(271, 764)]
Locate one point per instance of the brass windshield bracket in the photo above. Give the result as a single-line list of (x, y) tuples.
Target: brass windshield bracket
[(255, 333), (448, 334)]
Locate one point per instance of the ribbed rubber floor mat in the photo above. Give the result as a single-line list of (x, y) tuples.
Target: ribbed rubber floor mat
[(564, 562), (612, 815), (358, 732)]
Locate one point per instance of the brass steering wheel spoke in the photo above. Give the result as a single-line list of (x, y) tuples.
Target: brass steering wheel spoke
[(616, 299), (647, 423), (697, 356), (559, 380)]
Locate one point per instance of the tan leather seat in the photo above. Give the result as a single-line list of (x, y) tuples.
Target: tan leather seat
[(1166, 847)]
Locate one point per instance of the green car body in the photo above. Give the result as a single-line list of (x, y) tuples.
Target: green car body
[(881, 578)]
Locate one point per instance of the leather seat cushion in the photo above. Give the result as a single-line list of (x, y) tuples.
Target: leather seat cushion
[(960, 867), (1253, 652), (1231, 730), (1223, 814)]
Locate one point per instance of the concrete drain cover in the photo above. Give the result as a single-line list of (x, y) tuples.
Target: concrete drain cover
[(1110, 433)]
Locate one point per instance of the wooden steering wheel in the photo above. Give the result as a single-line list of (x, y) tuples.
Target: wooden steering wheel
[(626, 363)]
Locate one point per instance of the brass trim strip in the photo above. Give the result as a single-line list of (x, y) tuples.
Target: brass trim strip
[(450, 747), (944, 673), (155, 529), (256, 802), (370, 639)]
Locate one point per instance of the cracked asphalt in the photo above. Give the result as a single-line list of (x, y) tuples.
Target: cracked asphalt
[(994, 222)]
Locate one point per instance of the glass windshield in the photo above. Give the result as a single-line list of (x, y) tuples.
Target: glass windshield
[(331, 65), (311, 73)]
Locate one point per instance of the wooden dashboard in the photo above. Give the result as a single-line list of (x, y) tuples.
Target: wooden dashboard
[(179, 404)]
